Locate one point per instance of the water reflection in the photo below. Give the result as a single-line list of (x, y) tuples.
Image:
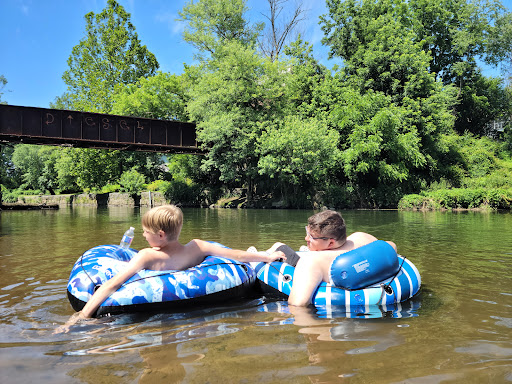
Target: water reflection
[(345, 336), (142, 331), (458, 329), (172, 346), (161, 332)]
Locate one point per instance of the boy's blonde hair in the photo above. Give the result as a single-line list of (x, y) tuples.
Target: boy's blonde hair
[(167, 218)]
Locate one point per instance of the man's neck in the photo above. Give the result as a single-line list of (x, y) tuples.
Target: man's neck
[(336, 246)]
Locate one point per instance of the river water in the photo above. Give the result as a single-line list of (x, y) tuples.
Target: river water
[(459, 330)]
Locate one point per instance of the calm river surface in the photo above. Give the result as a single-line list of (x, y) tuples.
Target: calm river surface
[(461, 332)]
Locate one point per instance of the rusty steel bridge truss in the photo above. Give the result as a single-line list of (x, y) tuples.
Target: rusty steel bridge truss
[(32, 125)]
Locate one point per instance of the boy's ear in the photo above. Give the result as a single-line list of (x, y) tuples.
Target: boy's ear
[(161, 234)]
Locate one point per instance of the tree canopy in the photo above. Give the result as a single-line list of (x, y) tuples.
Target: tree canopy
[(452, 37), (157, 97), (109, 55), (402, 115), (213, 23)]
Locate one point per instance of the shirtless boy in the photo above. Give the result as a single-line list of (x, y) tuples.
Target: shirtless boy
[(162, 226)]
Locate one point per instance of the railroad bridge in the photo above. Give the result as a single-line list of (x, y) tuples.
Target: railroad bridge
[(32, 125)]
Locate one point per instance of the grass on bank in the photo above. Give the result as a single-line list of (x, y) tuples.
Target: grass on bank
[(484, 179), (458, 198)]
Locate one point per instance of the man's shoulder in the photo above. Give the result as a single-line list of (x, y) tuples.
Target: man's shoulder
[(361, 238), (361, 235)]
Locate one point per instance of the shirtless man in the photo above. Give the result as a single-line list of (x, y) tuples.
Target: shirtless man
[(326, 238)]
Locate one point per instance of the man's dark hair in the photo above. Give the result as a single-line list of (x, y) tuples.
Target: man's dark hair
[(329, 224)]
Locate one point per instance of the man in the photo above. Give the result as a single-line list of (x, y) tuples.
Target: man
[(326, 238)]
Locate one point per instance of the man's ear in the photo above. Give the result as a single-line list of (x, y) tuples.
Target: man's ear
[(332, 242)]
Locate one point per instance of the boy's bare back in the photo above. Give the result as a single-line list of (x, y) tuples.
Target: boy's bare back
[(173, 256)]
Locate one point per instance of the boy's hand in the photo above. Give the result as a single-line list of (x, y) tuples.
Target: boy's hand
[(75, 318)]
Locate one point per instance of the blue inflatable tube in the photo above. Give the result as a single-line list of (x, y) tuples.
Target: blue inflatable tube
[(372, 275), (364, 266), (215, 280), (405, 309)]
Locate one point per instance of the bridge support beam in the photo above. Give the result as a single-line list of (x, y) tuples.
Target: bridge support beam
[(32, 125)]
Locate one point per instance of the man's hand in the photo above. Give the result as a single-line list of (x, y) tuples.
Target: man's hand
[(276, 256)]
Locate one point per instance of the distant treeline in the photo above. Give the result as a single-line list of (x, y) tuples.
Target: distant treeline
[(403, 123)]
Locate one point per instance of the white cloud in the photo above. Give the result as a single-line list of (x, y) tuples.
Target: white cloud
[(25, 6), (175, 26)]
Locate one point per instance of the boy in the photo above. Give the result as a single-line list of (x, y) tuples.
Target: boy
[(162, 226), (326, 238)]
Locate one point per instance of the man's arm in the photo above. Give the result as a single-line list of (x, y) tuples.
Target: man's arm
[(306, 278), (310, 272)]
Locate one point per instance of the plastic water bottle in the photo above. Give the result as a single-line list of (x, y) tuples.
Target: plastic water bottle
[(127, 238)]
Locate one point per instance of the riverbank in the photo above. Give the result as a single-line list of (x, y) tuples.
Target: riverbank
[(457, 199), (115, 199), (26, 207)]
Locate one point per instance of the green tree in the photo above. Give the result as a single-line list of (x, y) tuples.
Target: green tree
[(452, 35), (94, 168), (65, 165), (212, 23), (157, 97), (304, 76), (3, 82), (230, 102), (36, 164), (9, 177), (390, 111), (103, 68), (162, 96), (388, 60), (132, 181), (452, 32), (382, 150), (110, 54), (299, 154), (89, 169), (481, 100), (459, 33), (150, 165)]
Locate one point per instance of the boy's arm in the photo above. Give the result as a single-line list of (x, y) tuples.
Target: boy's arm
[(207, 248), (105, 290), (112, 285)]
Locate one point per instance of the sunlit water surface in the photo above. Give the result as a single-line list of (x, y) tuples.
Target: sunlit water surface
[(459, 329)]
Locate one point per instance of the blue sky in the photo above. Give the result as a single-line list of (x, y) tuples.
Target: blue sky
[(36, 38)]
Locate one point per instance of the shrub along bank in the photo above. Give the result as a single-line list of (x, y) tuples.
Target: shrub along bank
[(458, 198), (442, 199)]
